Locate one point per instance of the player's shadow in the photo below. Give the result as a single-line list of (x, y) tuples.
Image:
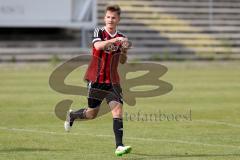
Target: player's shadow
[(170, 156), (24, 149)]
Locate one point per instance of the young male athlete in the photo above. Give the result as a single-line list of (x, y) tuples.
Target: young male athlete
[(102, 76)]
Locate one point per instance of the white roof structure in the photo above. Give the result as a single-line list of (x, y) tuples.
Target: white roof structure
[(48, 13)]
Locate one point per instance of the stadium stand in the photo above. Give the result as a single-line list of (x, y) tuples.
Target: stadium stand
[(180, 26), (156, 27)]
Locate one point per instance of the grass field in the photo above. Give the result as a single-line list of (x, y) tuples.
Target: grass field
[(29, 129)]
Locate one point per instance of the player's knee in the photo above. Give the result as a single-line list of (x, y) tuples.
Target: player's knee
[(117, 112)]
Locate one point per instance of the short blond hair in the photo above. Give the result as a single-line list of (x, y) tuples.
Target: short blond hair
[(113, 8)]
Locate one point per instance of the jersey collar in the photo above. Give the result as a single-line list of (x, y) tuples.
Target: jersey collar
[(112, 35)]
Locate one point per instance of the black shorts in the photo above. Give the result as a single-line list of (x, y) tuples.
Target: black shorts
[(98, 91)]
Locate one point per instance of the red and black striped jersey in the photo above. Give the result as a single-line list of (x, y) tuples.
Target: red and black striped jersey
[(103, 67)]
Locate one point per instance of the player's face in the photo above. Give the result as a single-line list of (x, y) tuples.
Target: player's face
[(111, 19)]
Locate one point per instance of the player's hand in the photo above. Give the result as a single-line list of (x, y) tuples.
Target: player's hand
[(121, 39), (121, 43), (126, 44)]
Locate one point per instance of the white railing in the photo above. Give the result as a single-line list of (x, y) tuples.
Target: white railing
[(48, 13)]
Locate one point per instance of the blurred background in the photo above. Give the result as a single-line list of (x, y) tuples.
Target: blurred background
[(159, 29), (197, 40)]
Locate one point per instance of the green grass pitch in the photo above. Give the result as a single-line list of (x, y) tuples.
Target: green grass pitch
[(29, 129)]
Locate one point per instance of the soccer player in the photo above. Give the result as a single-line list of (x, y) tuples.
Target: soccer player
[(103, 79)]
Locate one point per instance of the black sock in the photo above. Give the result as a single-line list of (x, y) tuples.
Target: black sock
[(79, 114), (118, 131)]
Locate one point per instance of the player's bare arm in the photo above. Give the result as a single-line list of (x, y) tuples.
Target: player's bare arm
[(123, 56), (124, 48)]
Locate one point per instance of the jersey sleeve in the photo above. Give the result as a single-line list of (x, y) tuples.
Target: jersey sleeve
[(97, 35)]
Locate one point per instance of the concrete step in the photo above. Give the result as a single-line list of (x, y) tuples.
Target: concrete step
[(183, 16), (190, 36), (190, 42), (174, 22), (180, 29), (129, 9), (142, 50), (163, 3), (43, 51)]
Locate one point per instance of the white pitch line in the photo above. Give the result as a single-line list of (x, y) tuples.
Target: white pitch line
[(130, 138), (218, 123), (185, 142)]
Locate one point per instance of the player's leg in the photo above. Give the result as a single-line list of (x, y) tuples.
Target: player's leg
[(116, 109), (85, 113), (117, 112), (116, 104), (81, 114), (95, 98)]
